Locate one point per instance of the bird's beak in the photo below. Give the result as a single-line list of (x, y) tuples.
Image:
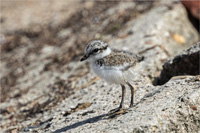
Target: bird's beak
[(84, 57)]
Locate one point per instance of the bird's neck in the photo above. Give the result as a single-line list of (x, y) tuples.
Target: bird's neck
[(106, 52)]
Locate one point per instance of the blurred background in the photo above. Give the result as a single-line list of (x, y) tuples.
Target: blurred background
[(39, 39)]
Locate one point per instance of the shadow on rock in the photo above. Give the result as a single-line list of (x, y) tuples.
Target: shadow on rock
[(75, 125), (104, 116), (186, 63)]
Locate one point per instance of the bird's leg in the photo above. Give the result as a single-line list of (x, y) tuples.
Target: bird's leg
[(132, 93), (122, 100), (123, 93)]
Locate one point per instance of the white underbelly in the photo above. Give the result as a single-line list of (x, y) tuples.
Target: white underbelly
[(110, 75)]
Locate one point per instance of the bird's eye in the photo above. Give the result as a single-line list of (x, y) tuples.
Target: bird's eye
[(95, 50)]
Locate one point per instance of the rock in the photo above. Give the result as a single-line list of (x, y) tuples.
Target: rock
[(171, 107), (158, 35), (157, 108), (185, 63), (193, 7), (56, 92)]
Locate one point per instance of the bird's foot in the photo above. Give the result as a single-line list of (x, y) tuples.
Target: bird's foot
[(115, 110), (131, 106)]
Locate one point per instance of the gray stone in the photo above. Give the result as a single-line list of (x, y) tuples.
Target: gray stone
[(185, 63), (171, 107), (58, 93)]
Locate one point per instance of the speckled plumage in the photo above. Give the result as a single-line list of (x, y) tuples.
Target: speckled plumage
[(120, 58), (112, 65)]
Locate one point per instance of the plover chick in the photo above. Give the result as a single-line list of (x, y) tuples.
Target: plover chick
[(112, 65)]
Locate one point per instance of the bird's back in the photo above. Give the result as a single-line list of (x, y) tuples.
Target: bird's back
[(122, 59)]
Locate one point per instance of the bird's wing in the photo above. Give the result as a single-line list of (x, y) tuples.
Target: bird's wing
[(120, 60)]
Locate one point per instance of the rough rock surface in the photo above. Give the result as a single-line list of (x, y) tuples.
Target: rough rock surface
[(171, 107), (186, 63), (44, 87)]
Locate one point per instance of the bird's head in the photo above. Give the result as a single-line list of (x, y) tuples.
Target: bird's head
[(95, 50)]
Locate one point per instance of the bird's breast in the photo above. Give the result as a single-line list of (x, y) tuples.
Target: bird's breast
[(111, 75)]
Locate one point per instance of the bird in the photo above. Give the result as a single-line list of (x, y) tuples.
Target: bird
[(112, 65)]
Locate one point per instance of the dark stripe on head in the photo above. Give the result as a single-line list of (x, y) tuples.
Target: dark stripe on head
[(99, 49)]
